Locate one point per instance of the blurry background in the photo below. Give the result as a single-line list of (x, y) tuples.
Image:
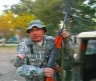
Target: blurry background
[(16, 14)]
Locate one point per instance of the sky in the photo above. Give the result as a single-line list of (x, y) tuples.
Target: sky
[(6, 2)]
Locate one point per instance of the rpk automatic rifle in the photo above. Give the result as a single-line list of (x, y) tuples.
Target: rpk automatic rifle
[(58, 43)]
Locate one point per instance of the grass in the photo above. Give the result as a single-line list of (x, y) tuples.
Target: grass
[(7, 47)]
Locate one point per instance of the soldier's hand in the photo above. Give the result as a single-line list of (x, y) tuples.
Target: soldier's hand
[(48, 72), (65, 35)]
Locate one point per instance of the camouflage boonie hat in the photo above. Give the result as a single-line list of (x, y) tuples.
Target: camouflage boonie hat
[(36, 23)]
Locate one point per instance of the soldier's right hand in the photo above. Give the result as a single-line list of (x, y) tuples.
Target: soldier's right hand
[(48, 72)]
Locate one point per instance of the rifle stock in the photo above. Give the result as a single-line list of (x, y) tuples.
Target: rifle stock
[(49, 79)]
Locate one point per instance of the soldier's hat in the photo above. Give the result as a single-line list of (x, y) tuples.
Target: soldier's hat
[(36, 23)]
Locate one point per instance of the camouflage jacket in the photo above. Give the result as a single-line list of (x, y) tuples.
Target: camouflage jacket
[(29, 59)]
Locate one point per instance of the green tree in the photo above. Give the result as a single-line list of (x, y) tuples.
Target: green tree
[(51, 12), (25, 6), (21, 22), (88, 13), (6, 24), (47, 11)]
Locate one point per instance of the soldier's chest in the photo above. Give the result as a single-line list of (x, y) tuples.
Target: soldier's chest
[(39, 54)]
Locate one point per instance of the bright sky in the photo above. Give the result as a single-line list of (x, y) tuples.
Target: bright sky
[(7, 2)]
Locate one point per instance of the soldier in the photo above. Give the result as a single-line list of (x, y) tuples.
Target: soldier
[(32, 52)]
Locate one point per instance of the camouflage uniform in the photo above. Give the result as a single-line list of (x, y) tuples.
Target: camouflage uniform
[(30, 56)]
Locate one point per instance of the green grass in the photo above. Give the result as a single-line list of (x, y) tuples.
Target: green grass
[(8, 46)]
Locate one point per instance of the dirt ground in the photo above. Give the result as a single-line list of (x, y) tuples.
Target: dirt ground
[(7, 70)]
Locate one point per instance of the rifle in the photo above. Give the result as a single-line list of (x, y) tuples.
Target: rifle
[(58, 38), (58, 43)]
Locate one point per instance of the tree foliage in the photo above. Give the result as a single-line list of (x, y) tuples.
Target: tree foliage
[(22, 21), (10, 24), (81, 16), (25, 6), (6, 23), (51, 12)]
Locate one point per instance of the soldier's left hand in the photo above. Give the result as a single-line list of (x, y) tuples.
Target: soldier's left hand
[(65, 35)]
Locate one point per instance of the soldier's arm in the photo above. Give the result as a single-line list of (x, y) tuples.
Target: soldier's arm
[(69, 47), (22, 68)]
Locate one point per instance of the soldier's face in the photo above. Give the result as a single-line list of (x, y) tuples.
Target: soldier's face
[(36, 34)]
